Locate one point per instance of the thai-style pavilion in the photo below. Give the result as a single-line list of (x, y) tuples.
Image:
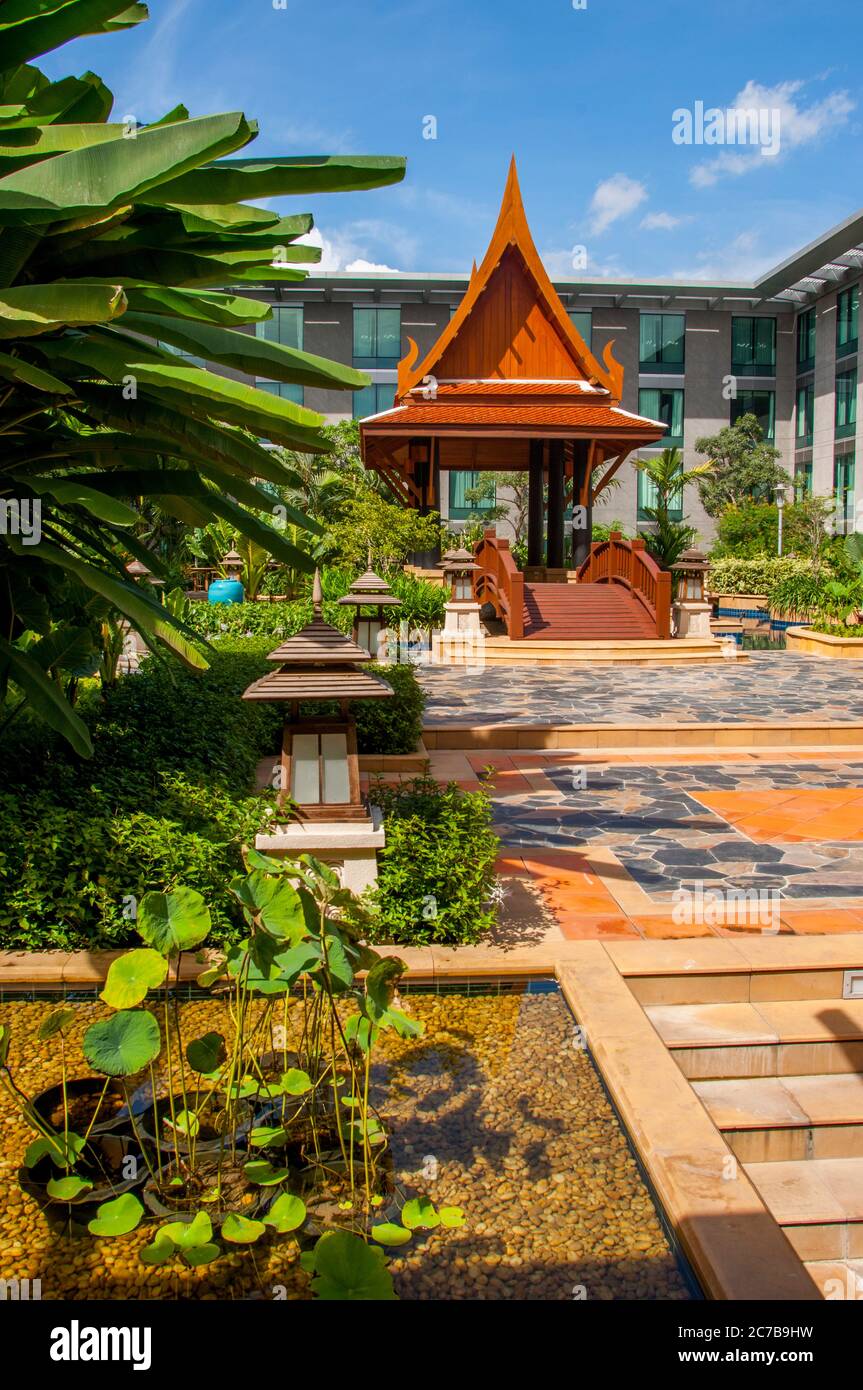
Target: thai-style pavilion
[(510, 385)]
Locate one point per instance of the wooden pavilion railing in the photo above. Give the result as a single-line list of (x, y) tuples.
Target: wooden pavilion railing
[(617, 561), (500, 582)]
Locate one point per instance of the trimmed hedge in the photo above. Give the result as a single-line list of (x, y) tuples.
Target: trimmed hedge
[(731, 575), (436, 871)]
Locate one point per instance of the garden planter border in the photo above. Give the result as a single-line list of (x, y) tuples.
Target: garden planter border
[(804, 639)]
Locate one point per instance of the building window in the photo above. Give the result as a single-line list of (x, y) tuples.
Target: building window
[(377, 338), (761, 404), (847, 305), (805, 416), (843, 492), (806, 341), (753, 346), (459, 506), (667, 406), (284, 328), (802, 481), (371, 400), (846, 404), (662, 338), (286, 390), (583, 321), (648, 497)]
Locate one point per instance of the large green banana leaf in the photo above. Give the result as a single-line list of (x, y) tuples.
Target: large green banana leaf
[(45, 696), (236, 180), (27, 30), (117, 172)]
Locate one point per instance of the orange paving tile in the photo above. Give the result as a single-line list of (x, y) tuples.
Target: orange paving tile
[(666, 929), (840, 919), (578, 927), (810, 814)]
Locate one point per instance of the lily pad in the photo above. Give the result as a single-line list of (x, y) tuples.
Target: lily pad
[(132, 976), (56, 1022), (62, 1152), (346, 1269), (185, 1122), (388, 1233), (261, 1172), (239, 1230), (161, 1250), (175, 921), (451, 1217), (187, 1234), (117, 1217), (123, 1044), (420, 1214), (207, 1053), (296, 1082), (286, 1214), (201, 1254), (268, 1136), (68, 1189)]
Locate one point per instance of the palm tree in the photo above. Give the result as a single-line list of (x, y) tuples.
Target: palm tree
[(666, 473)]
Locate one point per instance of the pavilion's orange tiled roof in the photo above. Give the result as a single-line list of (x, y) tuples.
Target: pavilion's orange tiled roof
[(576, 417)]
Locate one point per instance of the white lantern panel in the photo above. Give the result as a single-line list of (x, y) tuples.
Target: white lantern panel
[(305, 770), (334, 753)]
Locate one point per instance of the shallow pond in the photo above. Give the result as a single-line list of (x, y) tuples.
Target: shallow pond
[(496, 1109)]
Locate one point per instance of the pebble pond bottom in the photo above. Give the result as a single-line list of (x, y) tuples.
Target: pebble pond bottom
[(496, 1109)]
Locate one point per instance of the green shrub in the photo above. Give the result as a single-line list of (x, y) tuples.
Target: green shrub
[(274, 620), (392, 726), (755, 575), (436, 871)]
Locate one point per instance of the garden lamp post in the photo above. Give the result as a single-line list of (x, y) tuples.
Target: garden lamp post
[(779, 493), (690, 608), (370, 630), (462, 628), (318, 774)]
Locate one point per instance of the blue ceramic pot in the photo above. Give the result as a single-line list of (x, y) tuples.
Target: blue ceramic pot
[(225, 591)]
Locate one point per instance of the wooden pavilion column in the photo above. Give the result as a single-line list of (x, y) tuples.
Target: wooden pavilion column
[(556, 490), (427, 479), (581, 498), (535, 504)]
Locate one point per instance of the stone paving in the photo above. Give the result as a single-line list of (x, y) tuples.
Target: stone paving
[(768, 687)]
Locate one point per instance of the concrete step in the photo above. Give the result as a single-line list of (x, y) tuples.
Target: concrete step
[(777, 1119), (817, 1202), (771, 1038), (837, 1280), (640, 651)]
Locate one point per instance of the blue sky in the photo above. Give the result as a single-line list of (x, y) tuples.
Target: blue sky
[(584, 97)]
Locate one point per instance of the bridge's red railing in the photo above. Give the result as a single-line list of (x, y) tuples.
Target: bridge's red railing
[(500, 582), (617, 561)]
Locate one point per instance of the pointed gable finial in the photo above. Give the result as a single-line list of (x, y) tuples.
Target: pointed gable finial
[(317, 595)]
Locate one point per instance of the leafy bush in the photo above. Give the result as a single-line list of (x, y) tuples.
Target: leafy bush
[(756, 575), (436, 871), (165, 798), (274, 620)]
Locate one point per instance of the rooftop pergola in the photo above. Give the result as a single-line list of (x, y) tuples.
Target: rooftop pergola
[(510, 385)]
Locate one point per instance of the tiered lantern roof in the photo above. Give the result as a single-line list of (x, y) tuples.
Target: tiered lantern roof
[(318, 663), (371, 590)]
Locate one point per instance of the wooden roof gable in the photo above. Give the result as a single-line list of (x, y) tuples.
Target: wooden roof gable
[(511, 323)]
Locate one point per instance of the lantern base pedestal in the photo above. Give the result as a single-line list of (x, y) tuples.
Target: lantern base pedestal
[(350, 847), (462, 619), (691, 618)]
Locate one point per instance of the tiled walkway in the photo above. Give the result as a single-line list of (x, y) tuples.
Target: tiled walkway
[(769, 686), (762, 842)]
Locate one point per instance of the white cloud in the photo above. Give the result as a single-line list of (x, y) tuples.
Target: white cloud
[(614, 198), (371, 267), (797, 125), (561, 265), (738, 261), (661, 222), (343, 249)]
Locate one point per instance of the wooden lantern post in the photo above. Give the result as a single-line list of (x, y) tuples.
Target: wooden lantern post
[(371, 631), (319, 763)]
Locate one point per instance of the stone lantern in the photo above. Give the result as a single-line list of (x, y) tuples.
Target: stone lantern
[(319, 766), (371, 630), (462, 611), (690, 610), (137, 570)]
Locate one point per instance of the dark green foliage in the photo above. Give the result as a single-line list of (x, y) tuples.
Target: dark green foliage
[(436, 872), (165, 798)]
